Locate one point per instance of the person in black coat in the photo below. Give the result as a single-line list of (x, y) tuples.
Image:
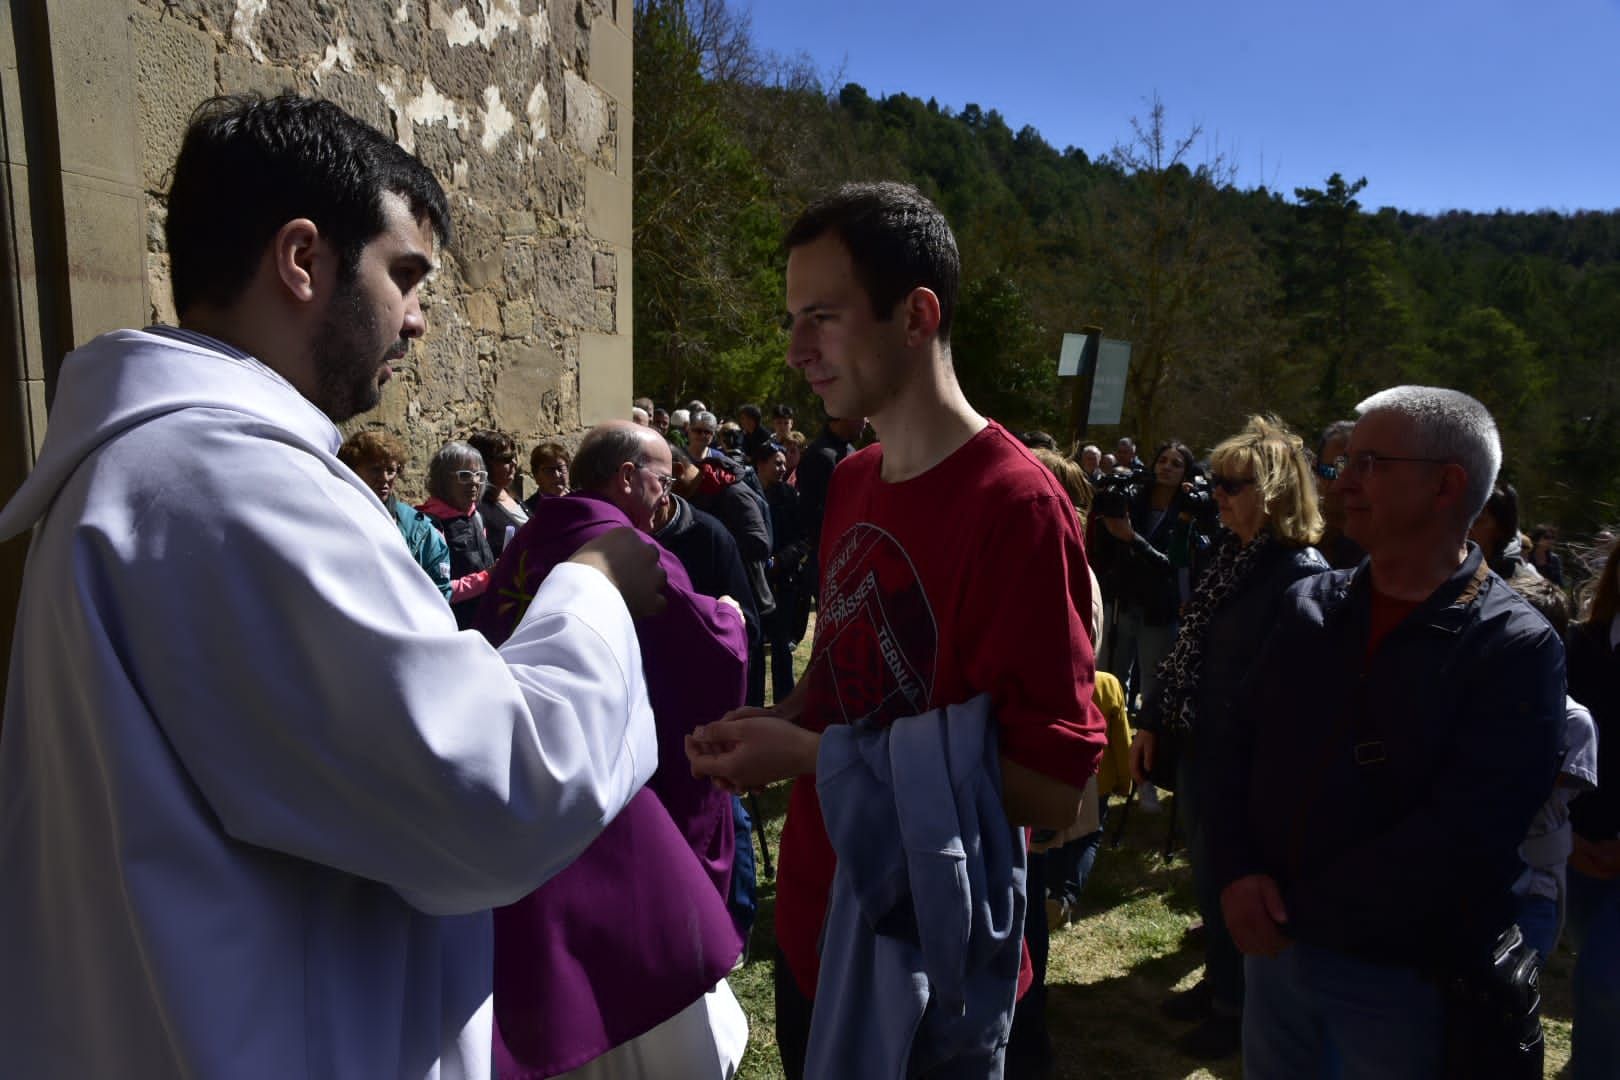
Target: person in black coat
[(499, 507), (787, 623), (1594, 866), (1267, 502), (820, 458)]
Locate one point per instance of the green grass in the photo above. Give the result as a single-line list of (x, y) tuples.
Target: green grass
[(1107, 972)]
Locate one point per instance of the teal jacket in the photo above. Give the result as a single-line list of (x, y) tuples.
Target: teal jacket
[(427, 544)]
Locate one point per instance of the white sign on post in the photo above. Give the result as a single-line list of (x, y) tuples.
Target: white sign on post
[(1074, 347)]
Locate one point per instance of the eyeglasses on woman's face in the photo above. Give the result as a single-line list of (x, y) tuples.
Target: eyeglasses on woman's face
[(469, 476)]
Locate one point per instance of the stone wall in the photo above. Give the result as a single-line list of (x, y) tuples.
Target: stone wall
[(521, 108)]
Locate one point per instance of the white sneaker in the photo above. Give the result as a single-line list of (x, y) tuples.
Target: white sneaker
[(1148, 799)]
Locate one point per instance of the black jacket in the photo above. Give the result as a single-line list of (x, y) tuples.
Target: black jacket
[(710, 557), (1594, 681), (813, 476), (1142, 574), (496, 520), (1388, 796), (1233, 637)]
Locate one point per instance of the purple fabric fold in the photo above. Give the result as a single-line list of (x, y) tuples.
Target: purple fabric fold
[(636, 928)]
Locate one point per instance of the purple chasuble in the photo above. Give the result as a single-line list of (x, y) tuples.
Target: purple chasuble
[(636, 928)]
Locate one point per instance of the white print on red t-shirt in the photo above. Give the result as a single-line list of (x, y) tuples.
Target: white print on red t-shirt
[(877, 642)]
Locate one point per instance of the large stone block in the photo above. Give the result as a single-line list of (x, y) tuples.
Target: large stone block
[(358, 95), (214, 15), (461, 72), (106, 232), (448, 372), (381, 38), (174, 67), (239, 74), (518, 270), (517, 319), (528, 388), (588, 113), (606, 378), (612, 55), (607, 206), (559, 178), (292, 33), (94, 68), (563, 282)]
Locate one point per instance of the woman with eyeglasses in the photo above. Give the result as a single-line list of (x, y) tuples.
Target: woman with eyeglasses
[(503, 515), (378, 458), (1264, 490), (456, 481), (548, 464)]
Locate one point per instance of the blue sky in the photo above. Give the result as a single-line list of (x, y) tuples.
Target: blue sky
[(1440, 104)]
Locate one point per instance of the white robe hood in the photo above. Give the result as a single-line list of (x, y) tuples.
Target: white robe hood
[(256, 792)]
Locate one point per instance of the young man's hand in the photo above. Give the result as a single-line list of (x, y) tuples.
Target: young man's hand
[(749, 748)]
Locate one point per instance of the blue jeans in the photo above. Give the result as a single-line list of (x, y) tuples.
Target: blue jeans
[(1594, 930), (1067, 867), (1314, 1012), (1537, 917), (743, 903), (1131, 639)]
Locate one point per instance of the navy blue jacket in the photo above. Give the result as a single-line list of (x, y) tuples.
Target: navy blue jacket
[(1232, 639), (1388, 797)]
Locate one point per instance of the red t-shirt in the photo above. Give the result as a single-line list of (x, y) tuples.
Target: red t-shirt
[(966, 579)]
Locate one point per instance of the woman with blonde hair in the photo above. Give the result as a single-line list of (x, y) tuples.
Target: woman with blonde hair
[(1266, 493)]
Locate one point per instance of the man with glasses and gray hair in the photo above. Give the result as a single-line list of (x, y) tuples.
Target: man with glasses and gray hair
[(1395, 739), (623, 956)]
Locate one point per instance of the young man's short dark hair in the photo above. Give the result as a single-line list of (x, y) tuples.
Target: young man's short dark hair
[(248, 165), (782, 412), (750, 411), (897, 239)]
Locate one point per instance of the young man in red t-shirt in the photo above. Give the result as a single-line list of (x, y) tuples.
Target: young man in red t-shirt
[(951, 562)]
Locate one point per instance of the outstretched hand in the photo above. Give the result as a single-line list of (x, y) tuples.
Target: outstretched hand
[(749, 748), (630, 561)]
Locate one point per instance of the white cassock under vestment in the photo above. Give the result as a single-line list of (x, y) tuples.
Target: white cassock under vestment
[(256, 792)]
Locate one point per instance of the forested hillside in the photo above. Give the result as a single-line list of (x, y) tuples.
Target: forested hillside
[(1297, 302)]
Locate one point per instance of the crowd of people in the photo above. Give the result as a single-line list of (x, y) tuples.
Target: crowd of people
[(297, 778)]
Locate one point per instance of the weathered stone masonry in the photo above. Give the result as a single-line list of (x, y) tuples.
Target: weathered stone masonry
[(521, 108)]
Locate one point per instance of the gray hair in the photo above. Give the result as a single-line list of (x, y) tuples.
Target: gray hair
[(707, 419), (639, 415), (679, 418), (604, 449), (452, 457), (1452, 427)]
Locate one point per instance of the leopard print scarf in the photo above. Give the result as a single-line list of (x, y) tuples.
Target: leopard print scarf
[(1179, 671)]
